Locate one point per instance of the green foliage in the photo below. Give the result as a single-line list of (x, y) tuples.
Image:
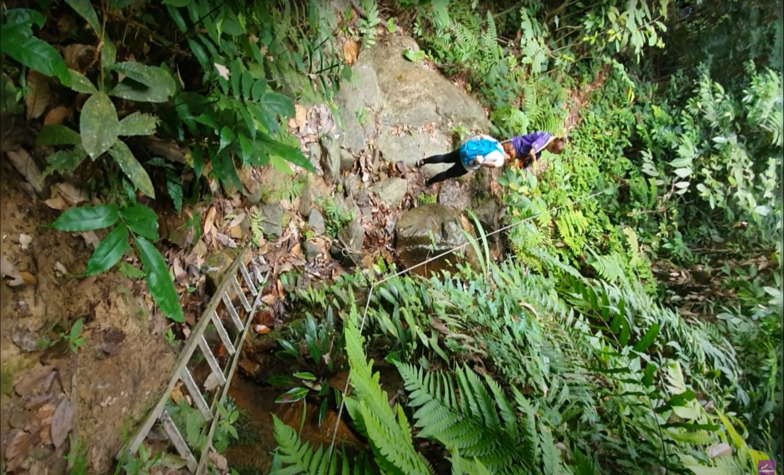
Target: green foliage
[(141, 223), (335, 217), (470, 423), (32, 52), (299, 457), (77, 456), (74, 336), (385, 427)]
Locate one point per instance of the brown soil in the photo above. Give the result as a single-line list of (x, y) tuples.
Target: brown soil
[(110, 381)]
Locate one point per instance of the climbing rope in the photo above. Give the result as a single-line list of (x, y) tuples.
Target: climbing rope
[(425, 262)]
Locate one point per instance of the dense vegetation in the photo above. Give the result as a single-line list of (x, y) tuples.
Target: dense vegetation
[(577, 353)]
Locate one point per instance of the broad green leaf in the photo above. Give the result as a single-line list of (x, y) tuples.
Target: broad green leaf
[(177, 3), (20, 44), (280, 165), (76, 329), (99, 125), (683, 172), (143, 83), (87, 218), (287, 152), (109, 251), (265, 118), (80, 83), (279, 103), (56, 134), (158, 279), (762, 210), (132, 168), (85, 9), (648, 338), (138, 123), (307, 376), (680, 162), (226, 137), (108, 53), (175, 192), (414, 56), (65, 161), (24, 16), (141, 219), (293, 395)]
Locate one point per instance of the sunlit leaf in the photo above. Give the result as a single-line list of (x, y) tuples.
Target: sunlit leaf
[(98, 124), (158, 279), (109, 251), (132, 168), (87, 218)]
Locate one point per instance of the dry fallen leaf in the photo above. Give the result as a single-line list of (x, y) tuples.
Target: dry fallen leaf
[(350, 51), (25, 240), (179, 272), (211, 382), (223, 71), (300, 117), (8, 269), (37, 97), (261, 329), (91, 238), (57, 115), (27, 277), (225, 240), (59, 269), (209, 220), (112, 341), (79, 56), (31, 379)]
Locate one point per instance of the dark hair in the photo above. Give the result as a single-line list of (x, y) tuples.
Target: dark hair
[(558, 144)]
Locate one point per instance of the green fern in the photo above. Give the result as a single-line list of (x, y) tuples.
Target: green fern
[(257, 234), (390, 437), (572, 227), (468, 419), (299, 457)]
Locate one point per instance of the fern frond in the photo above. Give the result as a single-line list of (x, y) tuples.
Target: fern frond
[(298, 456), (390, 438), (469, 423)]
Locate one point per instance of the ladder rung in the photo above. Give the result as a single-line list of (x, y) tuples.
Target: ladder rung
[(247, 279), (196, 394), (232, 312), (216, 321), (216, 370), (237, 288), (179, 443), (257, 273)]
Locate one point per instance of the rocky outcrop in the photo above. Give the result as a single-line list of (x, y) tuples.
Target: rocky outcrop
[(427, 231), (415, 107)]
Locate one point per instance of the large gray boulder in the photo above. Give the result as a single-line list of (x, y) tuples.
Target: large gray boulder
[(427, 231), (391, 191), (414, 107), (359, 99)]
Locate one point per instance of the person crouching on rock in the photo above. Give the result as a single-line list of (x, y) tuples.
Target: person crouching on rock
[(479, 151), (523, 150)]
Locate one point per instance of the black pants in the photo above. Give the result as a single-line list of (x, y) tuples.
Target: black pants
[(452, 157)]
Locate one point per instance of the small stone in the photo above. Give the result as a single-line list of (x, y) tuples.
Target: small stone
[(346, 161), (347, 248), (316, 222), (352, 184), (331, 158), (273, 219), (312, 250), (314, 154), (391, 191), (453, 195)]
